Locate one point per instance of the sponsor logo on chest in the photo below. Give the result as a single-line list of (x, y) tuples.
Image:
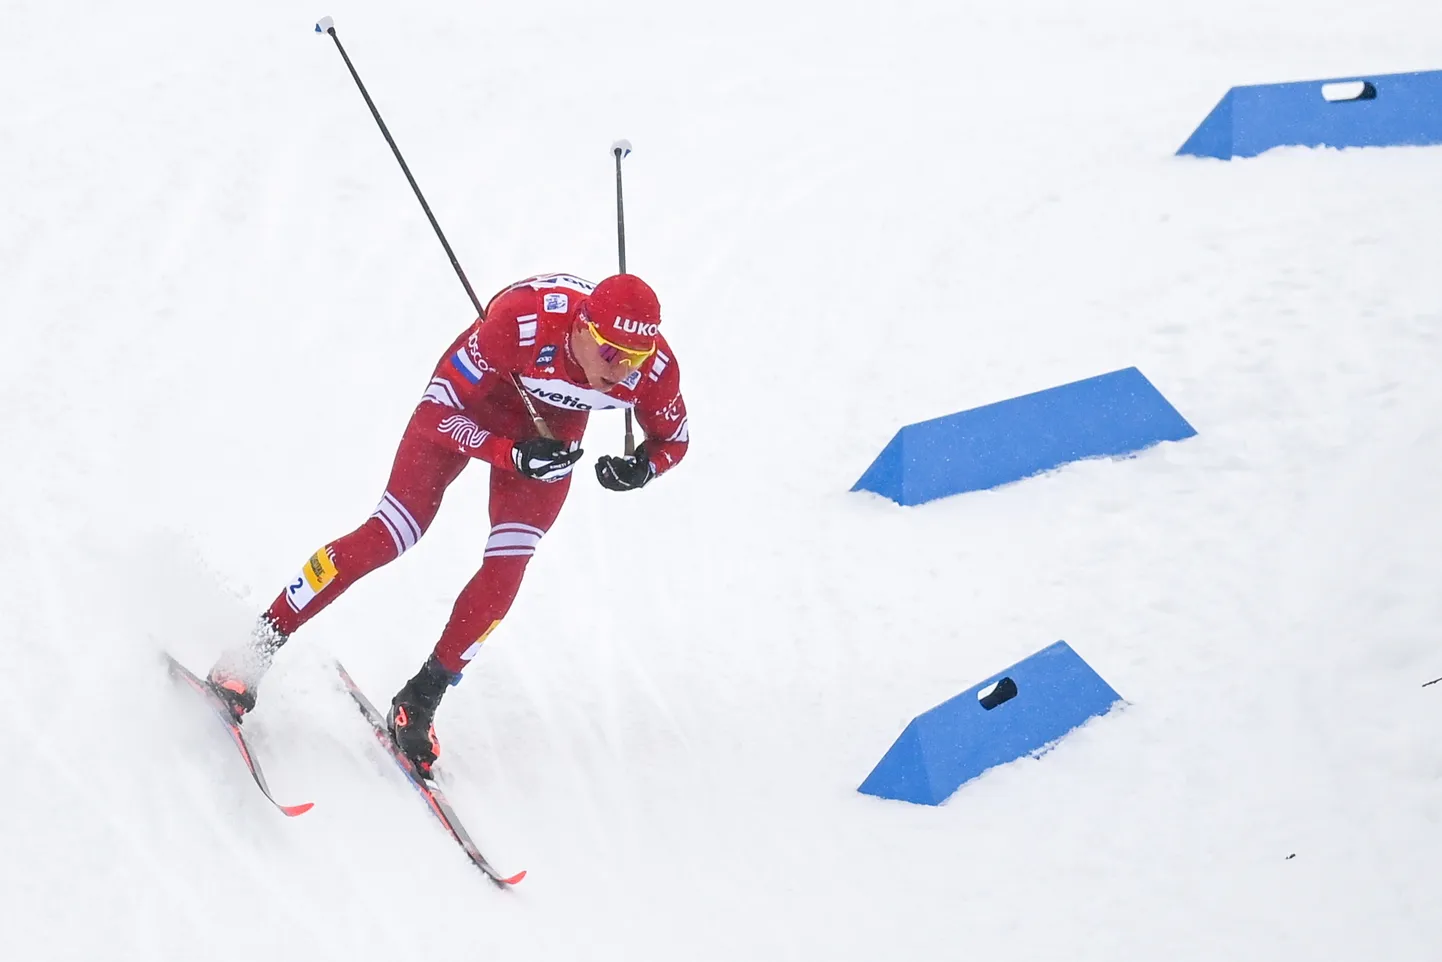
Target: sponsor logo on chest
[(571, 397), (555, 303)]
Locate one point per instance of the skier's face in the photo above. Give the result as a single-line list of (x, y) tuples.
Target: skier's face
[(601, 373)]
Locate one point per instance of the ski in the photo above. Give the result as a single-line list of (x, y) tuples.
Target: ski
[(434, 798), (222, 711)]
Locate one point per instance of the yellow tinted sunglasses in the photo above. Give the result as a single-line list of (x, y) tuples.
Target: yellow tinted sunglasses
[(615, 353)]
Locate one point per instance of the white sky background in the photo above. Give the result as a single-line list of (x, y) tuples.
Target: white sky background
[(220, 302)]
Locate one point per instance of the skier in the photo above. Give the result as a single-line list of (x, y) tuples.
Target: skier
[(576, 348)]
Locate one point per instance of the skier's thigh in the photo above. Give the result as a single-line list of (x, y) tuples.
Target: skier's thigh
[(521, 500)]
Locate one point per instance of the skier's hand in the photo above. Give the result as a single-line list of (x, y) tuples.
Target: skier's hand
[(625, 474), (544, 459)]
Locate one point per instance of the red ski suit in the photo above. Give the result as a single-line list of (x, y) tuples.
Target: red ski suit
[(471, 410)]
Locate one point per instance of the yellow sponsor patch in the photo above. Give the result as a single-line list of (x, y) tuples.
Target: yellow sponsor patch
[(319, 571)]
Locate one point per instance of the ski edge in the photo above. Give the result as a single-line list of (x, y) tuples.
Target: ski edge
[(435, 799), (237, 735)]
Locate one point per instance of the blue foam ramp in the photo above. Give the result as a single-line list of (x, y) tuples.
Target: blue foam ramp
[(1386, 110), (1034, 703), (1108, 415)]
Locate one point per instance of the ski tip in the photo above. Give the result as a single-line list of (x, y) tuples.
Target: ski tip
[(294, 810), (514, 878)]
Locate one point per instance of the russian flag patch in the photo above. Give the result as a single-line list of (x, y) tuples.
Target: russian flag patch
[(462, 362)]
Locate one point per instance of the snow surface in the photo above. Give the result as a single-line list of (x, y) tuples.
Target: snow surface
[(221, 302)]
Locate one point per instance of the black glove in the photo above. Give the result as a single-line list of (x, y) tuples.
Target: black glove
[(544, 459), (625, 474)]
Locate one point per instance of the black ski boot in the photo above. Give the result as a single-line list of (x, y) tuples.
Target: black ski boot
[(412, 716), (238, 671)]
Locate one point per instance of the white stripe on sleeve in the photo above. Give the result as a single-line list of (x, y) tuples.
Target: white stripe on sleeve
[(441, 392), (526, 323)]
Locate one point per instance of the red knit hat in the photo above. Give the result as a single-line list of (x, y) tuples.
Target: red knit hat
[(625, 311)]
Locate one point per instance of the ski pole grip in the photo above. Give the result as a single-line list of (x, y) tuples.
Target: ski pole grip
[(324, 25)]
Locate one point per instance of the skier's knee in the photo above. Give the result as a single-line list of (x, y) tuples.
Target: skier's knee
[(512, 539), (399, 523)]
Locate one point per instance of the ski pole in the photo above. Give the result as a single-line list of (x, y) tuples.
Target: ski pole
[(619, 149), (327, 25)]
